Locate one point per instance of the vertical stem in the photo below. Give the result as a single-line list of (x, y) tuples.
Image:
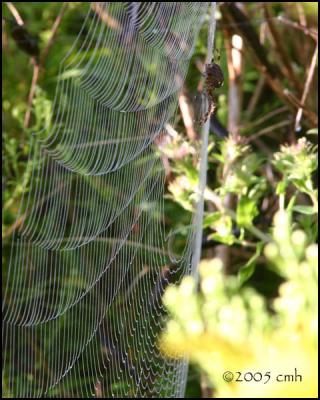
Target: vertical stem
[(234, 60), (282, 202), (198, 218), (307, 87), (234, 44), (32, 92), (203, 160)]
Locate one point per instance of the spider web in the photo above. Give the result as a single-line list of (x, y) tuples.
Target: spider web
[(82, 307)]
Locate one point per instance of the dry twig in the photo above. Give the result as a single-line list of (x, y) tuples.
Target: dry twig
[(307, 87), (37, 64)]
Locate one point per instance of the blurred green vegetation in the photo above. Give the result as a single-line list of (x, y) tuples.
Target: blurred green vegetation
[(258, 280), (228, 326)]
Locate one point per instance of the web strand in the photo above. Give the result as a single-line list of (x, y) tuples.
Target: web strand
[(82, 307)]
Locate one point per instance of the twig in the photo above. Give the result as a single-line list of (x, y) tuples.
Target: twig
[(309, 32), (265, 118), (54, 31), (35, 77), (301, 13), (255, 97), (105, 17), (267, 130), (271, 72), (234, 62), (187, 115), (15, 13), (35, 74), (232, 13), (312, 117), (37, 65), (280, 50), (307, 87)]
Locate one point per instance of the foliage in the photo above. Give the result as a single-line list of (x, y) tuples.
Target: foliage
[(226, 327), (297, 163)]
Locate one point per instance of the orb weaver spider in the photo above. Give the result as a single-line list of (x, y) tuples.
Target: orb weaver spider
[(213, 80)]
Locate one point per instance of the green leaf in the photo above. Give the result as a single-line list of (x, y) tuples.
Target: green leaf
[(307, 210), (247, 270), (222, 224), (281, 187), (211, 218), (225, 239), (246, 211), (219, 157), (291, 204)]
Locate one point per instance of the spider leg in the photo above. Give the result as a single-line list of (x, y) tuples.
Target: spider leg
[(204, 118), (212, 105)]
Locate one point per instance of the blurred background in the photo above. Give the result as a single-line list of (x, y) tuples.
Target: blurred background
[(256, 305)]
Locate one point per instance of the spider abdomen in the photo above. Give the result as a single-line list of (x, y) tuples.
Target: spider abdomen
[(213, 76)]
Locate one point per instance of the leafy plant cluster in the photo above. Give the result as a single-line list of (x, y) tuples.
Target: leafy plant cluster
[(226, 326)]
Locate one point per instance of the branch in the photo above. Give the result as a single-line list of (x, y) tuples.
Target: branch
[(266, 117), (269, 129), (37, 65), (255, 97), (234, 60), (307, 87), (35, 77), (54, 31), (309, 32), (280, 50), (187, 115), (15, 13), (232, 12)]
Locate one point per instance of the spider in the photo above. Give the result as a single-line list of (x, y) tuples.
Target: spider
[(213, 80)]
